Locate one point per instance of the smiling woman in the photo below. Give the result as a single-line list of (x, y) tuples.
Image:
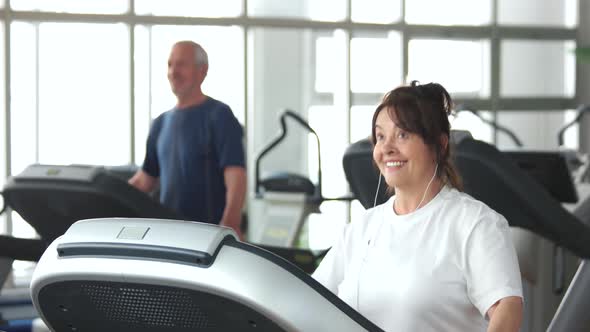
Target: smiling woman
[(411, 133), (431, 258)]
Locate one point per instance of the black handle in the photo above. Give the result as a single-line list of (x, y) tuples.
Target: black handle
[(493, 124), (581, 110), (3, 202), (288, 113), (558, 270)]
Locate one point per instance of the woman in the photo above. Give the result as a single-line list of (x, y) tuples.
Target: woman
[(431, 258)]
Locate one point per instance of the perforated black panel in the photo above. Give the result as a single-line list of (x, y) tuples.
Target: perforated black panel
[(159, 307), (132, 307)]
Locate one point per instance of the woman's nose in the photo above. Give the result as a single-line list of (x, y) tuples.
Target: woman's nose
[(389, 146)]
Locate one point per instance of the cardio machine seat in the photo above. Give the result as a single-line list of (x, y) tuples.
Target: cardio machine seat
[(362, 174), (150, 275)]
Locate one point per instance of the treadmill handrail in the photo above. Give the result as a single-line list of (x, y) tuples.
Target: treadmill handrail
[(288, 113), (493, 124), (582, 109)]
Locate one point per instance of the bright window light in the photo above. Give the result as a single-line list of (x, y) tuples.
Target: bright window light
[(325, 10), (376, 63), (84, 93), (194, 8), (537, 68), (449, 12), (23, 96), (462, 67), (330, 64), (376, 11), (73, 6), (538, 13)]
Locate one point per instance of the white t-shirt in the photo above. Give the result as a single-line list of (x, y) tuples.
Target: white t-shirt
[(439, 268)]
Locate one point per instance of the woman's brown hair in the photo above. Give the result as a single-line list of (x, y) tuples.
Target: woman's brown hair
[(424, 110)]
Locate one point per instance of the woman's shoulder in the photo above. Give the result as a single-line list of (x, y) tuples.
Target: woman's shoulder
[(462, 200), (470, 210)]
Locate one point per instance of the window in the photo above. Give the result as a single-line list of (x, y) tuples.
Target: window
[(3, 153), (528, 12), (330, 124), (72, 6), (24, 93), (461, 66), (470, 122), (375, 63), (360, 121), (142, 94), (273, 91), (330, 63), (325, 10), (537, 68), (449, 12), (83, 94), (543, 135), (195, 8), (376, 11)]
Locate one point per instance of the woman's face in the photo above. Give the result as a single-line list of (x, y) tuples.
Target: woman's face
[(403, 158)]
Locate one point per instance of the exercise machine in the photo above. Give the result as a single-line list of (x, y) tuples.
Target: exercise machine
[(168, 275), (285, 200)]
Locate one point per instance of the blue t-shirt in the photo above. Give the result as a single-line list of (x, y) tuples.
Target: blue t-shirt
[(188, 150)]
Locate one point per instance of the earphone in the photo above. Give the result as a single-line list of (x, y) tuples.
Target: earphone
[(377, 191), (423, 196), (428, 186)]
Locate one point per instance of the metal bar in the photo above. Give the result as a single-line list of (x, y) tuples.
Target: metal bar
[(414, 31), (536, 104), (7, 110), (132, 92), (37, 94), (496, 67)]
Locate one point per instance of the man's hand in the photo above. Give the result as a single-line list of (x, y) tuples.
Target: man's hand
[(143, 181), (235, 183)]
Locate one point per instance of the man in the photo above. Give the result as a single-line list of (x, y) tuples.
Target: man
[(194, 151)]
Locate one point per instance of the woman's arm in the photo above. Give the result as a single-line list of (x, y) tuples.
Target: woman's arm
[(506, 315)]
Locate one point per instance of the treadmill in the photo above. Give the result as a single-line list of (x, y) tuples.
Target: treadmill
[(53, 197), (148, 275)]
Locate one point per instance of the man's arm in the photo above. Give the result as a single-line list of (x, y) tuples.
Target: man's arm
[(506, 315), (235, 183), (143, 181)]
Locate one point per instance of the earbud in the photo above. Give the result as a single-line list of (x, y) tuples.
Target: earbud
[(377, 191)]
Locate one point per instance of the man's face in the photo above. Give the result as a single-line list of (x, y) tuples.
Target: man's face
[(184, 74)]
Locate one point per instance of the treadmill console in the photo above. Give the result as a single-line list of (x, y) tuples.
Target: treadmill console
[(550, 169)]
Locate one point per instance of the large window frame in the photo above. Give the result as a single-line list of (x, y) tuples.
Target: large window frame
[(492, 32)]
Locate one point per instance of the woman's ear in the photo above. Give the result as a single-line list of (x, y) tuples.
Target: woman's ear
[(444, 142), (444, 146)]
